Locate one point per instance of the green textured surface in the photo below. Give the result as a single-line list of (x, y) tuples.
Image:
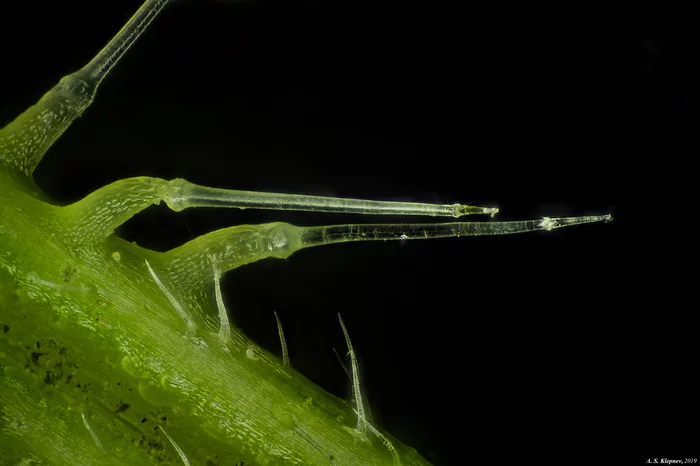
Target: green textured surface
[(85, 333)]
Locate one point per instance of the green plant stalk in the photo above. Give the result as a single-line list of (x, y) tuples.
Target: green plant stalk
[(106, 346), (84, 332)]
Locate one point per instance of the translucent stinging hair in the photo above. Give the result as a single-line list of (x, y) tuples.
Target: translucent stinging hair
[(368, 410), (177, 448), (225, 330), (394, 454), (355, 381), (285, 354), (178, 307), (92, 433)]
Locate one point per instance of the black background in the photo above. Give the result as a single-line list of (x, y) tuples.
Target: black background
[(526, 347)]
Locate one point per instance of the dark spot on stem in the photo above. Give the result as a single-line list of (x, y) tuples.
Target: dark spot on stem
[(35, 358), (123, 406), (50, 379), (68, 273), (156, 445)]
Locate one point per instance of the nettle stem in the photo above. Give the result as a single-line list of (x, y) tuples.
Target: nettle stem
[(115, 354)]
